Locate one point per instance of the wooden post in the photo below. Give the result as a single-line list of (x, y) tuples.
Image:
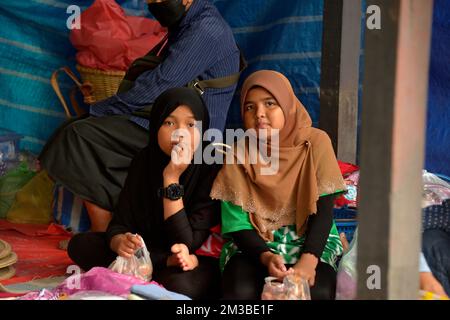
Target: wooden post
[(392, 149), (340, 75)]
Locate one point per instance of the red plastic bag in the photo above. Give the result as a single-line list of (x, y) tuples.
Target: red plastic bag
[(347, 168), (109, 40)]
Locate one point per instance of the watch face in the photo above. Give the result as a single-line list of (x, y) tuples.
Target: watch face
[(174, 192)]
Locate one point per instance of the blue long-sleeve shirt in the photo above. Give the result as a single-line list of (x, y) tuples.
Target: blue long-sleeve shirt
[(423, 265), (202, 46)]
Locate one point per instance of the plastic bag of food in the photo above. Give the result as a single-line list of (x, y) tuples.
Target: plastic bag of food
[(140, 265), (97, 281), (292, 288)]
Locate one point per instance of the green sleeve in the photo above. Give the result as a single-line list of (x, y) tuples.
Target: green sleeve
[(234, 218)]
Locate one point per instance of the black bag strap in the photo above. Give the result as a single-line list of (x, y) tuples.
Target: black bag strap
[(156, 50), (202, 85), (222, 82), (199, 85)]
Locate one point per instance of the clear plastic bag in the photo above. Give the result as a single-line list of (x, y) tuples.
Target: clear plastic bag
[(292, 288), (140, 265), (347, 273), (435, 190)]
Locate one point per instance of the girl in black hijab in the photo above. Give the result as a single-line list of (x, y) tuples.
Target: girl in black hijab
[(165, 201)]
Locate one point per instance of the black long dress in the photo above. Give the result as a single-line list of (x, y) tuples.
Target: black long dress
[(141, 211)]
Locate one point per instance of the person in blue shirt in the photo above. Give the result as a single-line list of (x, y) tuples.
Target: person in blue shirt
[(90, 156), (428, 281), (435, 259)]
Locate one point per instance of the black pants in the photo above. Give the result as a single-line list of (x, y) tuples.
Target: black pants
[(243, 279), (436, 248), (90, 156), (91, 249)]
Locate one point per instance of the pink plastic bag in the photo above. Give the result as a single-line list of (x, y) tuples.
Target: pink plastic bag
[(109, 40), (97, 279), (100, 279)]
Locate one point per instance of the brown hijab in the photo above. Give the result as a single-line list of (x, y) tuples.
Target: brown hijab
[(307, 166)]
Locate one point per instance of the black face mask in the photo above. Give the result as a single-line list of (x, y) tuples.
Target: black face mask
[(168, 13)]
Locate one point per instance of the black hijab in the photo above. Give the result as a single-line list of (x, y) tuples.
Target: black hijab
[(164, 105), (140, 210)]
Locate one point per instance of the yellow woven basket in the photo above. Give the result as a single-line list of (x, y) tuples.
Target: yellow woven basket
[(104, 83)]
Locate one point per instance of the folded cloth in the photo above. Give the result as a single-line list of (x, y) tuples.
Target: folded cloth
[(155, 292)]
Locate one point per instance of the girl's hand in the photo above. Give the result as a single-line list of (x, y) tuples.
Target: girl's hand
[(125, 245), (306, 268), (275, 264), (429, 283), (181, 157)]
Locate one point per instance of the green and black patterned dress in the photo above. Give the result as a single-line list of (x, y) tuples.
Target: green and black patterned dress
[(285, 242)]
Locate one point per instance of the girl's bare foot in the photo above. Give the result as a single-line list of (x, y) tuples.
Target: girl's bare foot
[(182, 257)]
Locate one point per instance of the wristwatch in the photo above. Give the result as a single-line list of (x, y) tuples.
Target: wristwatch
[(173, 192)]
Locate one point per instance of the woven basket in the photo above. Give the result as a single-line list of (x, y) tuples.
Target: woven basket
[(104, 83), (5, 249)]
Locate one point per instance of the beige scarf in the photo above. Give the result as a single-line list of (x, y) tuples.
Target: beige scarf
[(307, 166)]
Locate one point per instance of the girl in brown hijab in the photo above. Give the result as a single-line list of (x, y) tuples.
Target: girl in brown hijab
[(282, 222)]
